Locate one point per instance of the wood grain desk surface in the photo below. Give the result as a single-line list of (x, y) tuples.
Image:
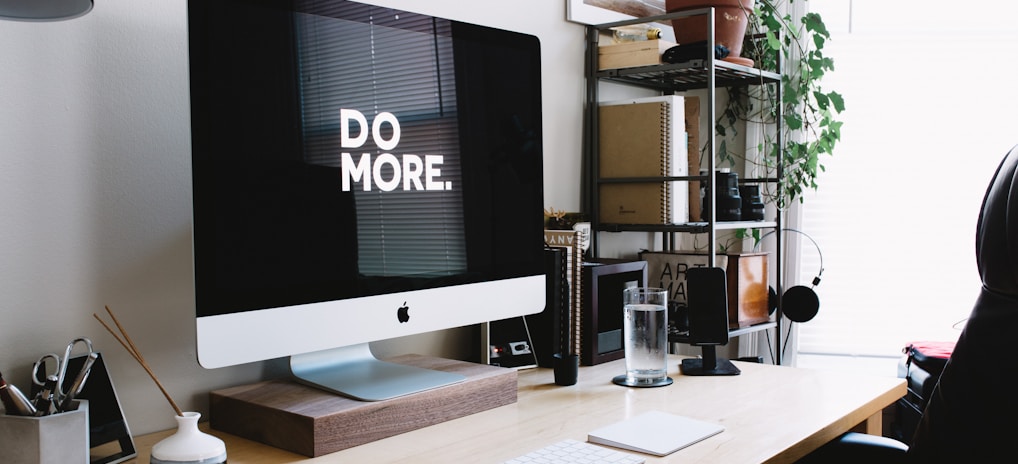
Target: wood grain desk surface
[(771, 414)]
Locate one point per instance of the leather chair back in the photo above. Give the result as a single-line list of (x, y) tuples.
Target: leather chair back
[(962, 422)]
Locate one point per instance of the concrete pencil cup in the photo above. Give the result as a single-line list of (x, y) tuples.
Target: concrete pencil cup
[(54, 439)]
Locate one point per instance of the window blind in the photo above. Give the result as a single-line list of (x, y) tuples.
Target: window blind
[(405, 70)]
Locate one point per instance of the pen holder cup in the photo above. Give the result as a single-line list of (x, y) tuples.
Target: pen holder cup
[(566, 368), (55, 439)]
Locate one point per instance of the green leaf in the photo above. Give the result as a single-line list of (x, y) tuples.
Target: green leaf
[(821, 99), (835, 128), (837, 100), (791, 97), (773, 42), (828, 64), (793, 121), (815, 23), (818, 41), (772, 23)]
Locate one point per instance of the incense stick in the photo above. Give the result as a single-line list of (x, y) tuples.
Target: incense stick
[(133, 351)]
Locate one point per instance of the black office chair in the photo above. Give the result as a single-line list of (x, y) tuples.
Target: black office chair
[(970, 414)]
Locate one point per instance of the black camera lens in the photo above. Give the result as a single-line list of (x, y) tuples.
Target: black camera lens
[(728, 199), (752, 203)]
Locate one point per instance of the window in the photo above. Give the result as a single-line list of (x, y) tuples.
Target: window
[(930, 114)]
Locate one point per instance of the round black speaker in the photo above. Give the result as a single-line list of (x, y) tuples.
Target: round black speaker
[(800, 303)]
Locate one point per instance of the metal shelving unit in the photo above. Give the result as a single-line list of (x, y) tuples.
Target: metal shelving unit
[(689, 75), (698, 74)]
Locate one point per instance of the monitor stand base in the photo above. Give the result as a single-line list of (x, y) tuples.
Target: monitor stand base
[(355, 372), (313, 422), (709, 364)]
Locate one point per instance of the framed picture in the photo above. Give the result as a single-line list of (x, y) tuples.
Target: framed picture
[(601, 333), (606, 11)]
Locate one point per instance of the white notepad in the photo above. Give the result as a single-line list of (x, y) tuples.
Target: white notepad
[(658, 433)]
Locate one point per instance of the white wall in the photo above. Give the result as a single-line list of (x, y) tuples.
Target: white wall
[(95, 187)]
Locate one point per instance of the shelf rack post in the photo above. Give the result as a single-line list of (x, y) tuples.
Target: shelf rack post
[(779, 215), (712, 233)]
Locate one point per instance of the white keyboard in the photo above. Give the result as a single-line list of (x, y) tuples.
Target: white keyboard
[(579, 452)]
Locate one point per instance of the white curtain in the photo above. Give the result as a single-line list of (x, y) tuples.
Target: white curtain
[(767, 344)]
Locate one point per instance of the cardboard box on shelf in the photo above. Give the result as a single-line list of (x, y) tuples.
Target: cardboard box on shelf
[(630, 54)]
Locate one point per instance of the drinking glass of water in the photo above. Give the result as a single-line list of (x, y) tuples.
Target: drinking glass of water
[(645, 333)]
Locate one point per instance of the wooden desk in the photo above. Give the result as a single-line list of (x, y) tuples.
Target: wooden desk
[(771, 414)]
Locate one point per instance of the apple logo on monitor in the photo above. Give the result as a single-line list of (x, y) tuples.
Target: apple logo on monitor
[(403, 313)]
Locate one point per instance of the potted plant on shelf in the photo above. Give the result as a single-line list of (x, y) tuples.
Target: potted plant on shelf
[(730, 22), (809, 112)]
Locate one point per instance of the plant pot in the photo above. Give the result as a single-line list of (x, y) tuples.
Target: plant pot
[(731, 18)]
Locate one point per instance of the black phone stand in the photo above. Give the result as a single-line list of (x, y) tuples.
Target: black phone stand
[(709, 364), (708, 321)]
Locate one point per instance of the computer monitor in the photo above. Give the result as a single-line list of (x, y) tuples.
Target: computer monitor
[(359, 173)]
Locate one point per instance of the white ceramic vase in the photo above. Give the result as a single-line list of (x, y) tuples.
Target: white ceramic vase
[(189, 445)]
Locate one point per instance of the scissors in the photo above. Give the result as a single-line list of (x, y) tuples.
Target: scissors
[(40, 365)]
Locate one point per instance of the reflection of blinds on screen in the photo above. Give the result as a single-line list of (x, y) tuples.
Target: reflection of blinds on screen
[(405, 70)]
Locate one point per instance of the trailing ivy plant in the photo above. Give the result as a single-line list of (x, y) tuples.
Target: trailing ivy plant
[(811, 129)]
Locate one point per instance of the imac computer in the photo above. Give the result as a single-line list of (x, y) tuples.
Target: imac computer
[(359, 173)]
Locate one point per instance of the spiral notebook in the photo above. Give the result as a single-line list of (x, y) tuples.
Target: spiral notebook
[(643, 138), (656, 432)]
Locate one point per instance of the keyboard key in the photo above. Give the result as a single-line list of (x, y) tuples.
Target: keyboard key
[(577, 452)]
